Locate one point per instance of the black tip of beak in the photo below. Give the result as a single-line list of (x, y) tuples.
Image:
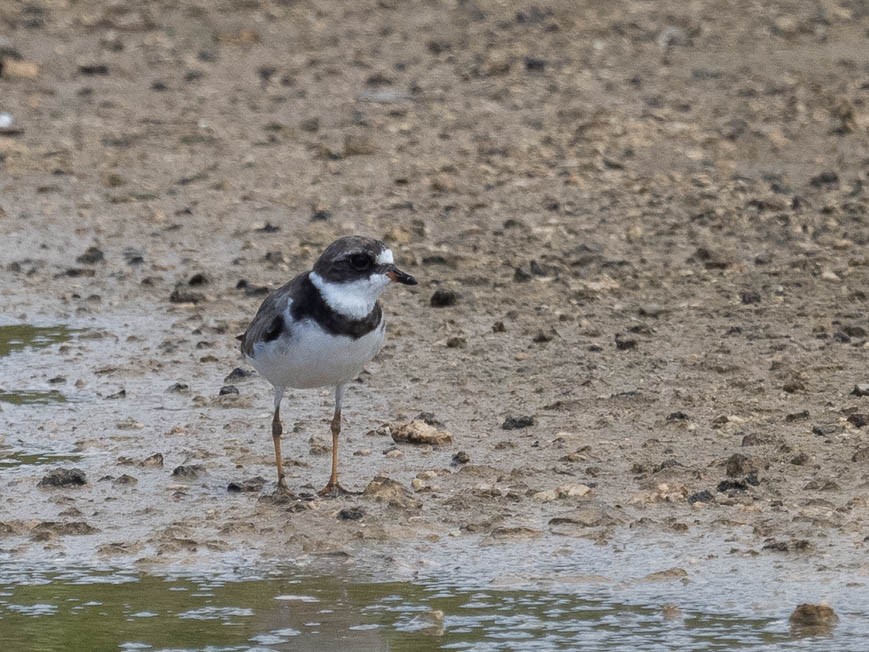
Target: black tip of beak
[(398, 276)]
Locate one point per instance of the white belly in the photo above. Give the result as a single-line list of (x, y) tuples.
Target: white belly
[(312, 358)]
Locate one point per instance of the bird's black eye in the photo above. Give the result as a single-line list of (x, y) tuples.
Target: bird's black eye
[(360, 261)]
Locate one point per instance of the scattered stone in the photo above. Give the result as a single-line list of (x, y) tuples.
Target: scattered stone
[(860, 389), (666, 575), (738, 464), (461, 458), (811, 618), (704, 496), (443, 298), (251, 485), (625, 344), (94, 69), (499, 327), (228, 389), (826, 178), (238, 374), (456, 342), (49, 529), (419, 432), (858, 419), (753, 439), (731, 485), (797, 416), (794, 386), (351, 514), (189, 471), (826, 429), (155, 460), (517, 423), (198, 279), (320, 215), (125, 479), (430, 419), (178, 388), (799, 459), (386, 490), (861, 455), (64, 478), (584, 517), (180, 295), (542, 337), (564, 491), (11, 68), (91, 256), (252, 290), (749, 297)]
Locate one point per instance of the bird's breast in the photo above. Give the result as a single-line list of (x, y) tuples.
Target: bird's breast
[(311, 357)]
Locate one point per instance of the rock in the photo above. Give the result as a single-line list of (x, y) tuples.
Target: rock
[(826, 429), (858, 419), (517, 423), (228, 389), (861, 455), (386, 490), (704, 496), (799, 459), (814, 617), (49, 529), (443, 298), (419, 432), (429, 623), (125, 479), (155, 460), (666, 575), (91, 256), (460, 458), (251, 485), (584, 517), (564, 491), (860, 389), (94, 69), (749, 297), (180, 295), (456, 342), (738, 464), (16, 69), (624, 343), (351, 514), (177, 388), (198, 279), (825, 178), (237, 374), (189, 471), (64, 478)]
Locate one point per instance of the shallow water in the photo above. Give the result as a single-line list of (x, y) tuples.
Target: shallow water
[(511, 597), (76, 609)]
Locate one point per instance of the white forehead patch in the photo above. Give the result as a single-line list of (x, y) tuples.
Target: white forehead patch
[(385, 257)]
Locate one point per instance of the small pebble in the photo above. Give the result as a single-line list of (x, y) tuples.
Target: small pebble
[(443, 298)]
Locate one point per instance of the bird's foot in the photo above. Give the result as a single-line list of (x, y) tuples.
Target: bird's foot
[(334, 490)]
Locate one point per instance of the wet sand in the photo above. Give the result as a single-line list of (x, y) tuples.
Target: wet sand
[(652, 218)]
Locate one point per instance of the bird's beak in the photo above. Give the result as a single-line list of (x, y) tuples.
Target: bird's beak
[(397, 276)]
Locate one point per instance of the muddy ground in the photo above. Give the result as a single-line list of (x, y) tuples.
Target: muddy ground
[(653, 218)]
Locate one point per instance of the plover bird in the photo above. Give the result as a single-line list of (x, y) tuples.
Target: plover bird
[(321, 328)]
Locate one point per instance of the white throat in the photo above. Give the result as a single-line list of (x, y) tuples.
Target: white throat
[(354, 299)]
